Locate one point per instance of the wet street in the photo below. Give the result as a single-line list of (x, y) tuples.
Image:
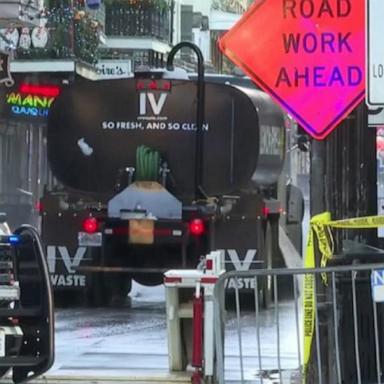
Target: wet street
[(113, 342), (132, 342)]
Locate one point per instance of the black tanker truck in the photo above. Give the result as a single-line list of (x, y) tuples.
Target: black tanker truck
[(125, 206)]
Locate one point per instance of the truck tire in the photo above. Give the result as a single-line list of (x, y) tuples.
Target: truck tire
[(94, 294), (68, 299), (108, 289), (117, 287)]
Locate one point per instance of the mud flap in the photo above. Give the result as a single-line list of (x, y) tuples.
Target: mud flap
[(29, 349), (295, 215), (60, 232), (242, 241)]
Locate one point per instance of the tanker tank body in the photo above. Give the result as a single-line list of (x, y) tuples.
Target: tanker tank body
[(124, 154), (249, 235)]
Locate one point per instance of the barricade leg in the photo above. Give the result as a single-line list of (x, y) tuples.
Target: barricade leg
[(173, 329), (197, 346), (208, 332)]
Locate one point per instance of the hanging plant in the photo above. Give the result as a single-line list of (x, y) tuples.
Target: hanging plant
[(86, 33), (62, 21), (59, 21)]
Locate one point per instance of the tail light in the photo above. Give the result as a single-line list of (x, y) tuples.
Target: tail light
[(90, 225), (39, 206), (266, 211), (196, 227)]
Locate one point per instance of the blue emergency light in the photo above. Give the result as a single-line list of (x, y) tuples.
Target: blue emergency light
[(13, 239)]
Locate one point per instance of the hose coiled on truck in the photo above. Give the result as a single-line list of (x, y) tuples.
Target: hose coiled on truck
[(148, 163)]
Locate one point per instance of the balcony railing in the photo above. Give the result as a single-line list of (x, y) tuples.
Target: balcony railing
[(68, 37), (125, 21), (59, 47)]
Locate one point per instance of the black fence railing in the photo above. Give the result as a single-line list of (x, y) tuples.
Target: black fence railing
[(59, 46), (124, 21)]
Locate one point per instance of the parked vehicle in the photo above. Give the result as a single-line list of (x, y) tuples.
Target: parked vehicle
[(26, 305), (136, 197)]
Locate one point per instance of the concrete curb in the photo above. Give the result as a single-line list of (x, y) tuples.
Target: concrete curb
[(108, 380)]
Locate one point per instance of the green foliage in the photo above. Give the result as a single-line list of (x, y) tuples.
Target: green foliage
[(59, 23), (86, 36), (226, 6)]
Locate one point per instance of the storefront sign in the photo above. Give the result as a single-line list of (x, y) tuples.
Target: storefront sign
[(31, 100), (114, 69), (5, 75)]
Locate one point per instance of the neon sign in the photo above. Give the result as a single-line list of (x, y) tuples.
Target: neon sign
[(310, 59), (42, 90), (32, 100)]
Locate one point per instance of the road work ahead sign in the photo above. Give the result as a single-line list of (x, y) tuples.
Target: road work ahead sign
[(307, 54)]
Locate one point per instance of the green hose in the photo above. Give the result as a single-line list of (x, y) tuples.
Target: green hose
[(147, 164)]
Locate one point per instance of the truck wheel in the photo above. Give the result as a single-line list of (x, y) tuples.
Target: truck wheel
[(95, 294), (266, 282), (117, 287), (108, 289), (68, 299)]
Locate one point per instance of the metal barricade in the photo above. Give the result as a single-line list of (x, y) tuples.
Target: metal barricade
[(266, 345)]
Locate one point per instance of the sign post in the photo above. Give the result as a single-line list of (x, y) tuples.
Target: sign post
[(375, 53), (307, 54)]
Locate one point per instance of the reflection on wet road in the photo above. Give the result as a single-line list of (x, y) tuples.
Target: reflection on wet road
[(132, 341), (270, 334)]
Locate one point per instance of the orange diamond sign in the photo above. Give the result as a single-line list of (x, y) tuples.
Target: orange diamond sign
[(309, 55)]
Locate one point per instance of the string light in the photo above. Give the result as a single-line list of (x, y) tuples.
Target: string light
[(72, 32)]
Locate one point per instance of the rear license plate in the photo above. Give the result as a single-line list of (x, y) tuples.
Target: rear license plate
[(141, 231), (9, 293), (90, 239)]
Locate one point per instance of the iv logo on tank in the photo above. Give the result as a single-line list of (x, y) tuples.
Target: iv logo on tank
[(307, 54), (155, 105)]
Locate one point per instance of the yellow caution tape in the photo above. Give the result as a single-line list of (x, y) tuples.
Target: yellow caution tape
[(308, 304), (320, 226), (317, 226)]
